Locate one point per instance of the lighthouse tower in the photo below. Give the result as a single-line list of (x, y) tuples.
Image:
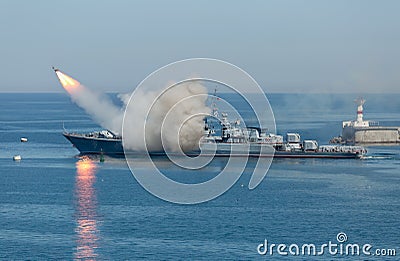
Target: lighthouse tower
[(360, 102), (359, 122), (360, 131)]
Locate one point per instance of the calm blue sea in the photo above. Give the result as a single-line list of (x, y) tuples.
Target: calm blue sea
[(54, 205)]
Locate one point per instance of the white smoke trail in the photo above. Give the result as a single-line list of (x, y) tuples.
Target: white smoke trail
[(145, 118), (100, 108)]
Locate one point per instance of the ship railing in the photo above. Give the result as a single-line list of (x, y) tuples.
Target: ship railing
[(340, 148)]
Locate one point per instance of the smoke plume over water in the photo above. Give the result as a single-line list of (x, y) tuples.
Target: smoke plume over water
[(162, 119), (168, 118)]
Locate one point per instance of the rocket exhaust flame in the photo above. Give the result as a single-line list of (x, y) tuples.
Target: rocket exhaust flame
[(69, 83), (99, 106)]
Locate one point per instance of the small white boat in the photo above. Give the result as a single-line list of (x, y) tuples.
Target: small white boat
[(23, 139), (17, 158)]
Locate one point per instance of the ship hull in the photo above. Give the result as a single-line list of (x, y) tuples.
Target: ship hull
[(88, 145), (113, 147), (293, 155), (268, 151)]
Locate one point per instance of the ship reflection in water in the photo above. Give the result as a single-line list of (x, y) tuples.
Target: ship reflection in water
[(85, 210)]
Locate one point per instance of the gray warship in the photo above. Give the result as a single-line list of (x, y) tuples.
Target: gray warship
[(223, 138)]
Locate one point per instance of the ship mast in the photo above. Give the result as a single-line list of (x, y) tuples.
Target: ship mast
[(214, 104)]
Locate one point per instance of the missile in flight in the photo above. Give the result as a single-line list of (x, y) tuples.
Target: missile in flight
[(68, 83)]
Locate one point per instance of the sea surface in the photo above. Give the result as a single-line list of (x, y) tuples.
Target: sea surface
[(55, 204)]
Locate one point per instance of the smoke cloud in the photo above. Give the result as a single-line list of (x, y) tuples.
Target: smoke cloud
[(155, 120), (99, 107), (166, 121)]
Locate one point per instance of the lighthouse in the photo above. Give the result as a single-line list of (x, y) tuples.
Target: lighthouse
[(360, 102), (359, 122), (360, 131)]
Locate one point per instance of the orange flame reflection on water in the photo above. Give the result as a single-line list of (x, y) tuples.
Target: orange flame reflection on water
[(86, 215)]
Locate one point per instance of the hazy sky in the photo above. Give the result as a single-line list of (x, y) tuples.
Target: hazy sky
[(287, 46)]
